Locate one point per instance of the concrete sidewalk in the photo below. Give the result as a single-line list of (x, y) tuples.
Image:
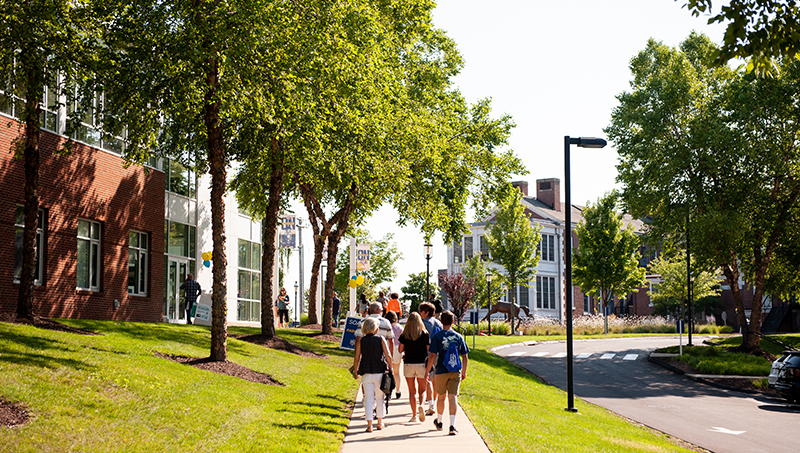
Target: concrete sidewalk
[(400, 435)]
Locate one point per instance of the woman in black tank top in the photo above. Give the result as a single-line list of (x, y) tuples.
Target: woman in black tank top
[(369, 362)]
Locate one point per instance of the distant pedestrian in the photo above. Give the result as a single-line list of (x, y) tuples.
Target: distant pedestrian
[(283, 308), (397, 358), (381, 299), (369, 362), (414, 345), (363, 305), (451, 349), (384, 326), (437, 305), (337, 308), (394, 305), (432, 325), (192, 289)]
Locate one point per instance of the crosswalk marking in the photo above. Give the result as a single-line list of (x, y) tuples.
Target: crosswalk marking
[(585, 355), (540, 354), (560, 355), (630, 357), (608, 356), (517, 354)]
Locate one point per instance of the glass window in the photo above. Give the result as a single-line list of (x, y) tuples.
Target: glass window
[(249, 281), (19, 226), (467, 247), (484, 244), (547, 247), (137, 263), (88, 269), (180, 179), (546, 293), (456, 252), (179, 239), (523, 295)]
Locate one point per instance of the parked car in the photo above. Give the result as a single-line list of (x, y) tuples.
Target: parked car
[(785, 375)]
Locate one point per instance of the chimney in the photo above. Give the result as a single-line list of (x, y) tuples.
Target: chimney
[(548, 191), (522, 186)]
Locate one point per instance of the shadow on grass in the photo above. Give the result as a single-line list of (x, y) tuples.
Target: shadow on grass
[(320, 427), (46, 355), (43, 361)]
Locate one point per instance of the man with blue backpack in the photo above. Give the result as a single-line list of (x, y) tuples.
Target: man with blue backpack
[(448, 351)]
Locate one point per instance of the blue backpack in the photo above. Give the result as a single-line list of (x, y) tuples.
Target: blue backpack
[(452, 359)]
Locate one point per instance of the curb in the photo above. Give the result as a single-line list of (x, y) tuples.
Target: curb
[(676, 370)]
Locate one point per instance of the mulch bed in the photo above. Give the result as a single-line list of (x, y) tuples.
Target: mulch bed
[(321, 336), (226, 368), (279, 344), (12, 414), (43, 323)]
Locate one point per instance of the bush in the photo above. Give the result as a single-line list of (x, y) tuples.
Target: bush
[(304, 319), (726, 329)]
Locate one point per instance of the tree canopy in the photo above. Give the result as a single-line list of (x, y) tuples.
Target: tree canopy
[(384, 256), (670, 293), (512, 243), (716, 151), (608, 259), (414, 289)]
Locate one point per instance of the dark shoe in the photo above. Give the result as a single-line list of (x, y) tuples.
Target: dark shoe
[(189, 322), (430, 412), (453, 431), (397, 395), (438, 425)]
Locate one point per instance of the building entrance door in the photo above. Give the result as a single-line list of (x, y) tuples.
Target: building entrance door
[(175, 299)]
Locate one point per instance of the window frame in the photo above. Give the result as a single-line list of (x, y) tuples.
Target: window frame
[(547, 248), (250, 269), (142, 254), (546, 293), (40, 245), (95, 259)]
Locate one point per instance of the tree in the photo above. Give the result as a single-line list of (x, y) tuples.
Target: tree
[(669, 295), (383, 257), (475, 270), (712, 151), (414, 289), (460, 292), (761, 30), (42, 40), (512, 244), (608, 259)]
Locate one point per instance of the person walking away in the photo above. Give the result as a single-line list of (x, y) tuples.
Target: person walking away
[(192, 289), (381, 299), (363, 305), (369, 362), (394, 305), (437, 304), (432, 325), (384, 326), (397, 358), (337, 308), (414, 345), (451, 368), (283, 308)]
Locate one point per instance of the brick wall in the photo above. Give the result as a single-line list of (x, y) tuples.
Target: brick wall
[(93, 185)]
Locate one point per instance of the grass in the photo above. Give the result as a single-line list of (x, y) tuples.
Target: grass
[(109, 393), (515, 412), (718, 360)]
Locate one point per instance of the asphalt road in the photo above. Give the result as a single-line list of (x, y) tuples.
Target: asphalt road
[(615, 374)]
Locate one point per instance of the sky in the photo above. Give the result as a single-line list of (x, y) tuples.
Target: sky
[(556, 67)]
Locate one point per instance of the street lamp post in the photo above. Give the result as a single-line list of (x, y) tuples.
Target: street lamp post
[(296, 301), (489, 277), (428, 248), (583, 142)]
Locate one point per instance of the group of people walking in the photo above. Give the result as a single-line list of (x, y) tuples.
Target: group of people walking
[(432, 355)]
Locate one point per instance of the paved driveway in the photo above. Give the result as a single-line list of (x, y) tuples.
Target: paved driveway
[(615, 374)]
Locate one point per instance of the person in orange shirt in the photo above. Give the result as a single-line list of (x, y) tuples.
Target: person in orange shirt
[(394, 305)]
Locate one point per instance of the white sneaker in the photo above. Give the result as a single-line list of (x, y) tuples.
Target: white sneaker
[(413, 419), (421, 414)]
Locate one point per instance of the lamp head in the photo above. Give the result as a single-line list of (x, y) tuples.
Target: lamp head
[(588, 142)]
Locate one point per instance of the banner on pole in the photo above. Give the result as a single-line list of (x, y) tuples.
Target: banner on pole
[(288, 233), (362, 257)]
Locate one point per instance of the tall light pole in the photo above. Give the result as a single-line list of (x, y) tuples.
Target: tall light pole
[(428, 249), (297, 302), (489, 277), (583, 142)]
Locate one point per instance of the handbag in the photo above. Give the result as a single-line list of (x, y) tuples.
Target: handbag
[(387, 381)]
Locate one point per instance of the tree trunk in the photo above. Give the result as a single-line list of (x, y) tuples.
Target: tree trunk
[(216, 159), (731, 272), (269, 227), (327, 303), (319, 242), (31, 154)]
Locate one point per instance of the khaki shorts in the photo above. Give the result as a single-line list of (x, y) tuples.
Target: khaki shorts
[(447, 383), (414, 370)]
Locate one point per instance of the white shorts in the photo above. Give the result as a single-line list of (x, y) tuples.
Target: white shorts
[(414, 370), (396, 356)]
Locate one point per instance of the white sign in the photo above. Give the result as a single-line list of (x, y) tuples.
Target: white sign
[(362, 257), (203, 313)]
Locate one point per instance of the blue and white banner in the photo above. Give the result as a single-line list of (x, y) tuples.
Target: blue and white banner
[(288, 232)]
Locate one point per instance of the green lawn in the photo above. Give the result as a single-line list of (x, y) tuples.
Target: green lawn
[(515, 412), (109, 393)]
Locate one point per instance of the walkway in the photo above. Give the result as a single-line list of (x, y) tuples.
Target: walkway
[(402, 436)]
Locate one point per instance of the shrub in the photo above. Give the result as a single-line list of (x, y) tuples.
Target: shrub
[(304, 319), (726, 329)]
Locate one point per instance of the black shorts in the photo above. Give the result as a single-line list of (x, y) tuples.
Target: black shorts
[(283, 314)]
